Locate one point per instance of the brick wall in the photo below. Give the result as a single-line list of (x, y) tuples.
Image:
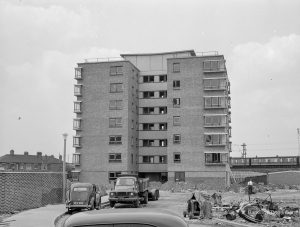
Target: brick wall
[(27, 190)]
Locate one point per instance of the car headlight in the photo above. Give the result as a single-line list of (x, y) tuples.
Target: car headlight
[(111, 194)]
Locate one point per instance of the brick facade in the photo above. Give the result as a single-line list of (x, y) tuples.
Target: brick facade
[(27, 190)]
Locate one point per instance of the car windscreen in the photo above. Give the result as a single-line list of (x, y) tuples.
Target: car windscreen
[(125, 181)]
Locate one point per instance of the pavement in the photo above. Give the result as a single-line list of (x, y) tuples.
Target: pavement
[(43, 216)]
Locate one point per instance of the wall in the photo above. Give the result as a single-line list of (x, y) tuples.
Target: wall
[(27, 190)]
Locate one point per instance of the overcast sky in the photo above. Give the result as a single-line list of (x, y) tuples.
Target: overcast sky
[(41, 42)]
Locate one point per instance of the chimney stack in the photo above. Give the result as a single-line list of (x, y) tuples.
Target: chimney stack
[(39, 154), (25, 152), (12, 152)]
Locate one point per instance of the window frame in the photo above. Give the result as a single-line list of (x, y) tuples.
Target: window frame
[(117, 71), (176, 102), (116, 104), (148, 159), (118, 88), (176, 138), (176, 67), (176, 84), (115, 122), (115, 175), (176, 122), (176, 160), (115, 140), (114, 157)]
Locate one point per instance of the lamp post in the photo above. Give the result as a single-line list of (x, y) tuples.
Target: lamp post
[(65, 135), (298, 131)]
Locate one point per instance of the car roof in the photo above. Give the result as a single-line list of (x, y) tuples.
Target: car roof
[(75, 185), (148, 216)]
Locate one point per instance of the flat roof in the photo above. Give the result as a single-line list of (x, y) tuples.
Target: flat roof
[(192, 52)]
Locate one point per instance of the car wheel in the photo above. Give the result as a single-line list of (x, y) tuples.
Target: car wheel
[(112, 203), (136, 203), (146, 198)]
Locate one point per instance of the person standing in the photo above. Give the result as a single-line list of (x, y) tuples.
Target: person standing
[(250, 188)]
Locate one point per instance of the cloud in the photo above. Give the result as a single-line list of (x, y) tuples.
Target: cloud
[(265, 90)]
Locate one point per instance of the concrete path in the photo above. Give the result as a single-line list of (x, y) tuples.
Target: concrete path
[(43, 216)]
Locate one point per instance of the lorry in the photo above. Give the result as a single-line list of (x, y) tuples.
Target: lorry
[(131, 189)]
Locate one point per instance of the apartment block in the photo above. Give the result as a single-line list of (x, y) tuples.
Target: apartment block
[(165, 116)]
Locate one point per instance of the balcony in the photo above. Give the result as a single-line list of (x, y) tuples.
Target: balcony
[(78, 73), (76, 159), (218, 84), (77, 141), (77, 124), (213, 66), (78, 90), (77, 107)]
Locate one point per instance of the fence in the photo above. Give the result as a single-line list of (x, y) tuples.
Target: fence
[(27, 190)]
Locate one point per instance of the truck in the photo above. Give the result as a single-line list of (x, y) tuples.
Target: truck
[(131, 189)]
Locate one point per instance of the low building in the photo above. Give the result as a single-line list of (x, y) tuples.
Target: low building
[(27, 162)]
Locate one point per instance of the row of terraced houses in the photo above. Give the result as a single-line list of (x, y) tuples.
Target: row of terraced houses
[(165, 116)]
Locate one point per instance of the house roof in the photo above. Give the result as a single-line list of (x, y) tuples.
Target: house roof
[(16, 158)]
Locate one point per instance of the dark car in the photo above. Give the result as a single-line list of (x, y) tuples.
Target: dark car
[(126, 218), (83, 196)]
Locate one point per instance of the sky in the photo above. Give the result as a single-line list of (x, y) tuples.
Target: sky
[(42, 41)]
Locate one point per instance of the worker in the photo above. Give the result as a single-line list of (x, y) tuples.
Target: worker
[(250, 188)]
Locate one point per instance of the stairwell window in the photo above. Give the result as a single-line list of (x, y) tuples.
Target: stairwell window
[(115, 157), (115, 139), (177, 158), (177, 139), (115, 122), (116, 70), (116, 87), (176, 84), (176, 102), (176, 67)]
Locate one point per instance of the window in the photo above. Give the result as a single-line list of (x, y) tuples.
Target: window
[(78, 90), (177, 158), (148, 110), (114, 157), (78, 73), (176, 102), (162, 110), (177, 139), (162, 94), (148, 127), (176, 67), (148, 159), (77, 107), (76, 159), (76, 124), (76, 141), (148, 143), (214, 120), (113, 175), (148, 94), (116, 70), (163, 126), (115, 139), (163, 143), (115, 122), (163, 78), (214, 102), (148, 79), (176, 84), (215, 65), (214, 84), (176, 120), (216, 158), (116, 87), (215, 139), (115, 104), (162, 159)]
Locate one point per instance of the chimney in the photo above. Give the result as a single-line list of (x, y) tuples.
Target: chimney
[(11, 152), (39, 154), (60, 157), (25, 152)]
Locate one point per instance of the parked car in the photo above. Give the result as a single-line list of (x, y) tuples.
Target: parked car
[(83, 196), (126, 218)]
